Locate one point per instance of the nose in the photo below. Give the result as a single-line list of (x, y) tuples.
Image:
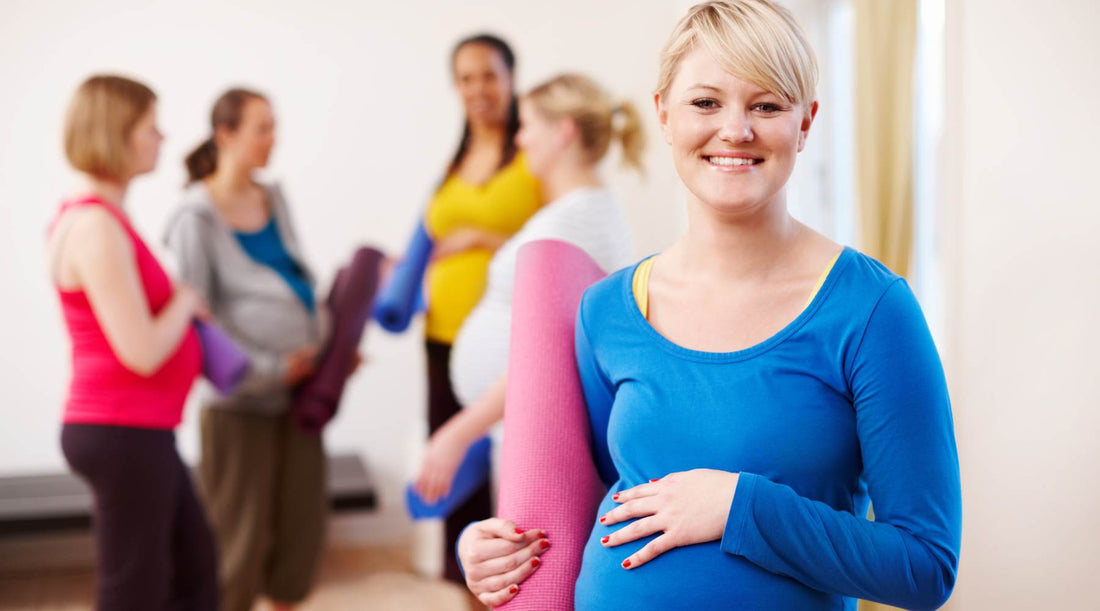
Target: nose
[(736, 127)]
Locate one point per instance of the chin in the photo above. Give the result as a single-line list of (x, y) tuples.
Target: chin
[(727, 203)]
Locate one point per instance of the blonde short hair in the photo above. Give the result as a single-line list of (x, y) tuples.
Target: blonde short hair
[(757, 40), (579, 98), (101, 116)]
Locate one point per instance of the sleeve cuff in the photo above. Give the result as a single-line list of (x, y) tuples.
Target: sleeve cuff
[(458, 559), (740, 509)]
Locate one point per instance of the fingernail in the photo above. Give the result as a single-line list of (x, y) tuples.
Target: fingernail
[(602, 519), (544, 544), (605, 539), (626, 564), (534, 562), (519, 531), (657, 479), (615, 496), (513, 590), (542, 534)]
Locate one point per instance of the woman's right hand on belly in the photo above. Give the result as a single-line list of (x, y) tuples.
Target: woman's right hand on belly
[(497, 557)]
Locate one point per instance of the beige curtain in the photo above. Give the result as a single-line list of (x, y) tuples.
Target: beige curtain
[(886, 40)]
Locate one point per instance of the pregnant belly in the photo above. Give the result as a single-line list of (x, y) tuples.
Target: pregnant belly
[(697, 577), (480, 353)]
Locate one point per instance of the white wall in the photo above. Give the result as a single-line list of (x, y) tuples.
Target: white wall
[(1022, 216), (367, 119)]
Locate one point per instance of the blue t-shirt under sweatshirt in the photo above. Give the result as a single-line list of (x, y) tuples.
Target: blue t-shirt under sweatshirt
[(265, 247)]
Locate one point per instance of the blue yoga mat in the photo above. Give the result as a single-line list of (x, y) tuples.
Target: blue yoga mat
[(402, 296), (472, 473)]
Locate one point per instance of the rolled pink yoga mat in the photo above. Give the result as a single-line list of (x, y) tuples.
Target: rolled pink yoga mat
[(548, 477), (316, 401)]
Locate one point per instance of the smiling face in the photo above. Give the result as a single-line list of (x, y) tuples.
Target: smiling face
[(484, 82), (733, 143)]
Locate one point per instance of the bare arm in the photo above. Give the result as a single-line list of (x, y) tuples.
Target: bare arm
[(467, 238), (99, 254), (475, 420), (450, 443)]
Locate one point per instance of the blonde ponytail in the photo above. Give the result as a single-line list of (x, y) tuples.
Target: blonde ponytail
[(579, 98), (630, 135)]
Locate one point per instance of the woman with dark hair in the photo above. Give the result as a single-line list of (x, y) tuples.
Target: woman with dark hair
[(262, 478), (488, 193)]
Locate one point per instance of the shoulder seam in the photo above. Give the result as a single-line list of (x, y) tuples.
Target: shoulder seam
[(870, 316)]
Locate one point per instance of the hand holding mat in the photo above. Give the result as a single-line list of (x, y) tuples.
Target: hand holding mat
[(224, 363), (399, 299), (316, 401), (471, 474), (548, 477)]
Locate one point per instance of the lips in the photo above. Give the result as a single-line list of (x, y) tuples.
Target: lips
[(728, 161)]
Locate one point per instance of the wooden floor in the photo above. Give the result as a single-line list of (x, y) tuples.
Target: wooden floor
[(375, 578)]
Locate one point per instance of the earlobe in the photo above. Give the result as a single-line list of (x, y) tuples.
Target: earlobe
[(804, 128), (662, 117)]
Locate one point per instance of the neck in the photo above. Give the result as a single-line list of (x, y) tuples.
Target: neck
[(568, 176), (229, 179), (723, 247), (487, 134), (110, 191)]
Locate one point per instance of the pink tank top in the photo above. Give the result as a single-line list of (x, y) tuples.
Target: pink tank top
[(103, 391)]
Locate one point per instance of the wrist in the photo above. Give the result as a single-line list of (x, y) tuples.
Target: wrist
[(457, 431)]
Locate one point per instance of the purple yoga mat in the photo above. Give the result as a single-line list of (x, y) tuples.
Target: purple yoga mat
[(224, 363), (317, 399)]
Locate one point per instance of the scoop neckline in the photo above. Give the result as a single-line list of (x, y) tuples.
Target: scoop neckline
[(807, 313)]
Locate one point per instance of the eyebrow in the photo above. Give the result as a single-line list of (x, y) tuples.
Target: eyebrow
[(703, 86)]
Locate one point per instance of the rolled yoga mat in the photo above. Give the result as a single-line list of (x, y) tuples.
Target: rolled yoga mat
[(224, 363), (318, 398), (548, 477), (400, 298), (471, 474)]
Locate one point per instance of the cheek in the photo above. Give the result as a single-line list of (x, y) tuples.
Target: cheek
[(688, 134)]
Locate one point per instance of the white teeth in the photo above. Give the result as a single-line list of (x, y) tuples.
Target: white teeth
[(731, 161)]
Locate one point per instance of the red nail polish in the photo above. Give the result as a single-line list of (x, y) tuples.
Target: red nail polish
[(534, 562), (544, 544), (605, 539), (513, 590), (602, 519), (519, 531), (626, 564), (615, 496), (542, 534), (655, 480)]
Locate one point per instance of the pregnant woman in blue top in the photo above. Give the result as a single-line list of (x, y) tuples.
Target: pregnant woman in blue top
[(754, 387)]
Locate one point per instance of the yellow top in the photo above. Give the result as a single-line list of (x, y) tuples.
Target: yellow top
[(501, 205), (640, 284)]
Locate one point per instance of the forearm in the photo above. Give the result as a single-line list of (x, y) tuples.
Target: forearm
[(475, 420), (491, 240), (145, 353)]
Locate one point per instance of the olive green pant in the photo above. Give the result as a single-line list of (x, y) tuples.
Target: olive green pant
[(263, 482)]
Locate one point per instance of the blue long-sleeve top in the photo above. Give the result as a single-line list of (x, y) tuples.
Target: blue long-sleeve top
[(845, 405)]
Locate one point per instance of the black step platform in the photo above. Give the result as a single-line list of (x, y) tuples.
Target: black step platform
[(62, 502)]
